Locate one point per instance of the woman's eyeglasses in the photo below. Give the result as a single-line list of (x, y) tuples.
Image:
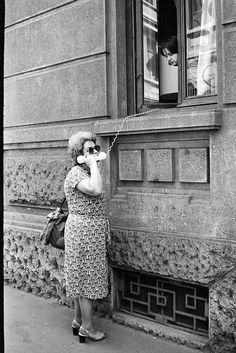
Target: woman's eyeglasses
[(91, 150)]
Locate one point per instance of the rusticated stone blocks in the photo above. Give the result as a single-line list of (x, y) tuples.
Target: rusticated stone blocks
[(33, 267), (193, 260), (223, 314), (35, 181)]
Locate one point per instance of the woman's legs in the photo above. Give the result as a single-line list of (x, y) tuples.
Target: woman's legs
[(78, 317), (87, 329), (86, 306)]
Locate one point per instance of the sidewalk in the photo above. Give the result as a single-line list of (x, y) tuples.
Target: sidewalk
[(36, 325)]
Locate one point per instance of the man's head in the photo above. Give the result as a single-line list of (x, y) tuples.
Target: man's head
[(169, 49)]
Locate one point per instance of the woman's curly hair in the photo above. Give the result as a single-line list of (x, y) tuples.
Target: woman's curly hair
[(76, 144)]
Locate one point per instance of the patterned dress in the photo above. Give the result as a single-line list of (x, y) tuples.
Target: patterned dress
[(86, 235)]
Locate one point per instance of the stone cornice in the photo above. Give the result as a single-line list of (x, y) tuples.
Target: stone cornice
[(162, 122)]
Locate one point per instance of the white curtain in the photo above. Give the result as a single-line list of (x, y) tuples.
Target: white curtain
[(151, 81), (206, 69)]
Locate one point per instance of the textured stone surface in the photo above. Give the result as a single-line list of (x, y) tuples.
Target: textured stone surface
[(193, 260), (229, 71), (79, 90), (223, 180), (164, 213), (223, 314), (56, 37), (130, 165), (75, 91), (38, 181), (31, 266), (159, 165), (193, 165)]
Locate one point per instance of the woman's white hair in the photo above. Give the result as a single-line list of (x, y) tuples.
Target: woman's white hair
[(76, 143)]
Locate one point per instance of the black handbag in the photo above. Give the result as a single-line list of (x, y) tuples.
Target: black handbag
[(53, 232)]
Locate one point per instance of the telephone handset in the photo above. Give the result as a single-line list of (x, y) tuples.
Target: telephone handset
[(99, 157)]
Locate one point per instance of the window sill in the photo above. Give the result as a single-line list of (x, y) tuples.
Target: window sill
[(161, 121), (199, 100)]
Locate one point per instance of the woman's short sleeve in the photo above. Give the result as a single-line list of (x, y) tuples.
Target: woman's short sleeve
[(76, 175)]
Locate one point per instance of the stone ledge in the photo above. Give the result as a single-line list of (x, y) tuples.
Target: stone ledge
[(162, 121), (162, 331), (45, 133)]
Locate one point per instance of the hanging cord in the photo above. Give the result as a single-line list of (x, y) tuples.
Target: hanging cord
[(123, 123)]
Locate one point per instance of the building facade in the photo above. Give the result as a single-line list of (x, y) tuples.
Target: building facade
[(171, 174)]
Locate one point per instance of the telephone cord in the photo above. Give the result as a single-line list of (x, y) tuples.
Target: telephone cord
[(123, 123)]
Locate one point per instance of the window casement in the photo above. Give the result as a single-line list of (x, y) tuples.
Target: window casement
[(172, 57)]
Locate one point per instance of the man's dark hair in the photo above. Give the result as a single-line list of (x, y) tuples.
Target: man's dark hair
[(171, 43)]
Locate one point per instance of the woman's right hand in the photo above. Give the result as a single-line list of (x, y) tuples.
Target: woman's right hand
[(90, 160), (93, 184)]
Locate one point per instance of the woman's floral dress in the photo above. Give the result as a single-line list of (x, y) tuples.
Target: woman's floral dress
[(86, 235)]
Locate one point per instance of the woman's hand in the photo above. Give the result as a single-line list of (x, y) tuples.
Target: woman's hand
[(93, 184), (90, 160)]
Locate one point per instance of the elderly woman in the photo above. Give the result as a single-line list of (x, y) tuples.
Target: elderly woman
[(86, 232)]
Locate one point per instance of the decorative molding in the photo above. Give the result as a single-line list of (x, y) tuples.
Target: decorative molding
[(193, 165), (130, 165), (160, 165)]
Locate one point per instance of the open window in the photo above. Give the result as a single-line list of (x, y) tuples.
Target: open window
[(173, 56)]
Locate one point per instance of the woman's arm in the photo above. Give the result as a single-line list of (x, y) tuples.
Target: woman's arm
[(93, 185)]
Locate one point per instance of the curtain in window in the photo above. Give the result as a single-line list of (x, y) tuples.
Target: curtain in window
[(206, 69), (201, 47), (150, 52)]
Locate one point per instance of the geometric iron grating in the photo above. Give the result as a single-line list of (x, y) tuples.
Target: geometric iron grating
[(173, 303)]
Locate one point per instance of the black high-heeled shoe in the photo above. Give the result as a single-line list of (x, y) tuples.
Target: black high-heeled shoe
[(75, 327), (93, 335)]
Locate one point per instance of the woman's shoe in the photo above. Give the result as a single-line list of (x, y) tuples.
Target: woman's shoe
[(75, 327), (93, 335)]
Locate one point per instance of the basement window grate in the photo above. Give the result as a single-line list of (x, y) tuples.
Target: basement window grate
[(171, 302)]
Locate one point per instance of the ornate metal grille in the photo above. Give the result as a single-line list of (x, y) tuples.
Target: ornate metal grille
[(163, 300)]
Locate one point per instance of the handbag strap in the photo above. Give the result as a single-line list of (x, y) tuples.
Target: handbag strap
[(63, 201)]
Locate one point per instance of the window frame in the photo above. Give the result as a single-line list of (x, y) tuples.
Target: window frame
[(135, 74), (182, 79)]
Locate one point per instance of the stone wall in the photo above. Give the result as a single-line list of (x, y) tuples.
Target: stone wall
[(223, 314), (173, 204), (36, 180), (33, 267)]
